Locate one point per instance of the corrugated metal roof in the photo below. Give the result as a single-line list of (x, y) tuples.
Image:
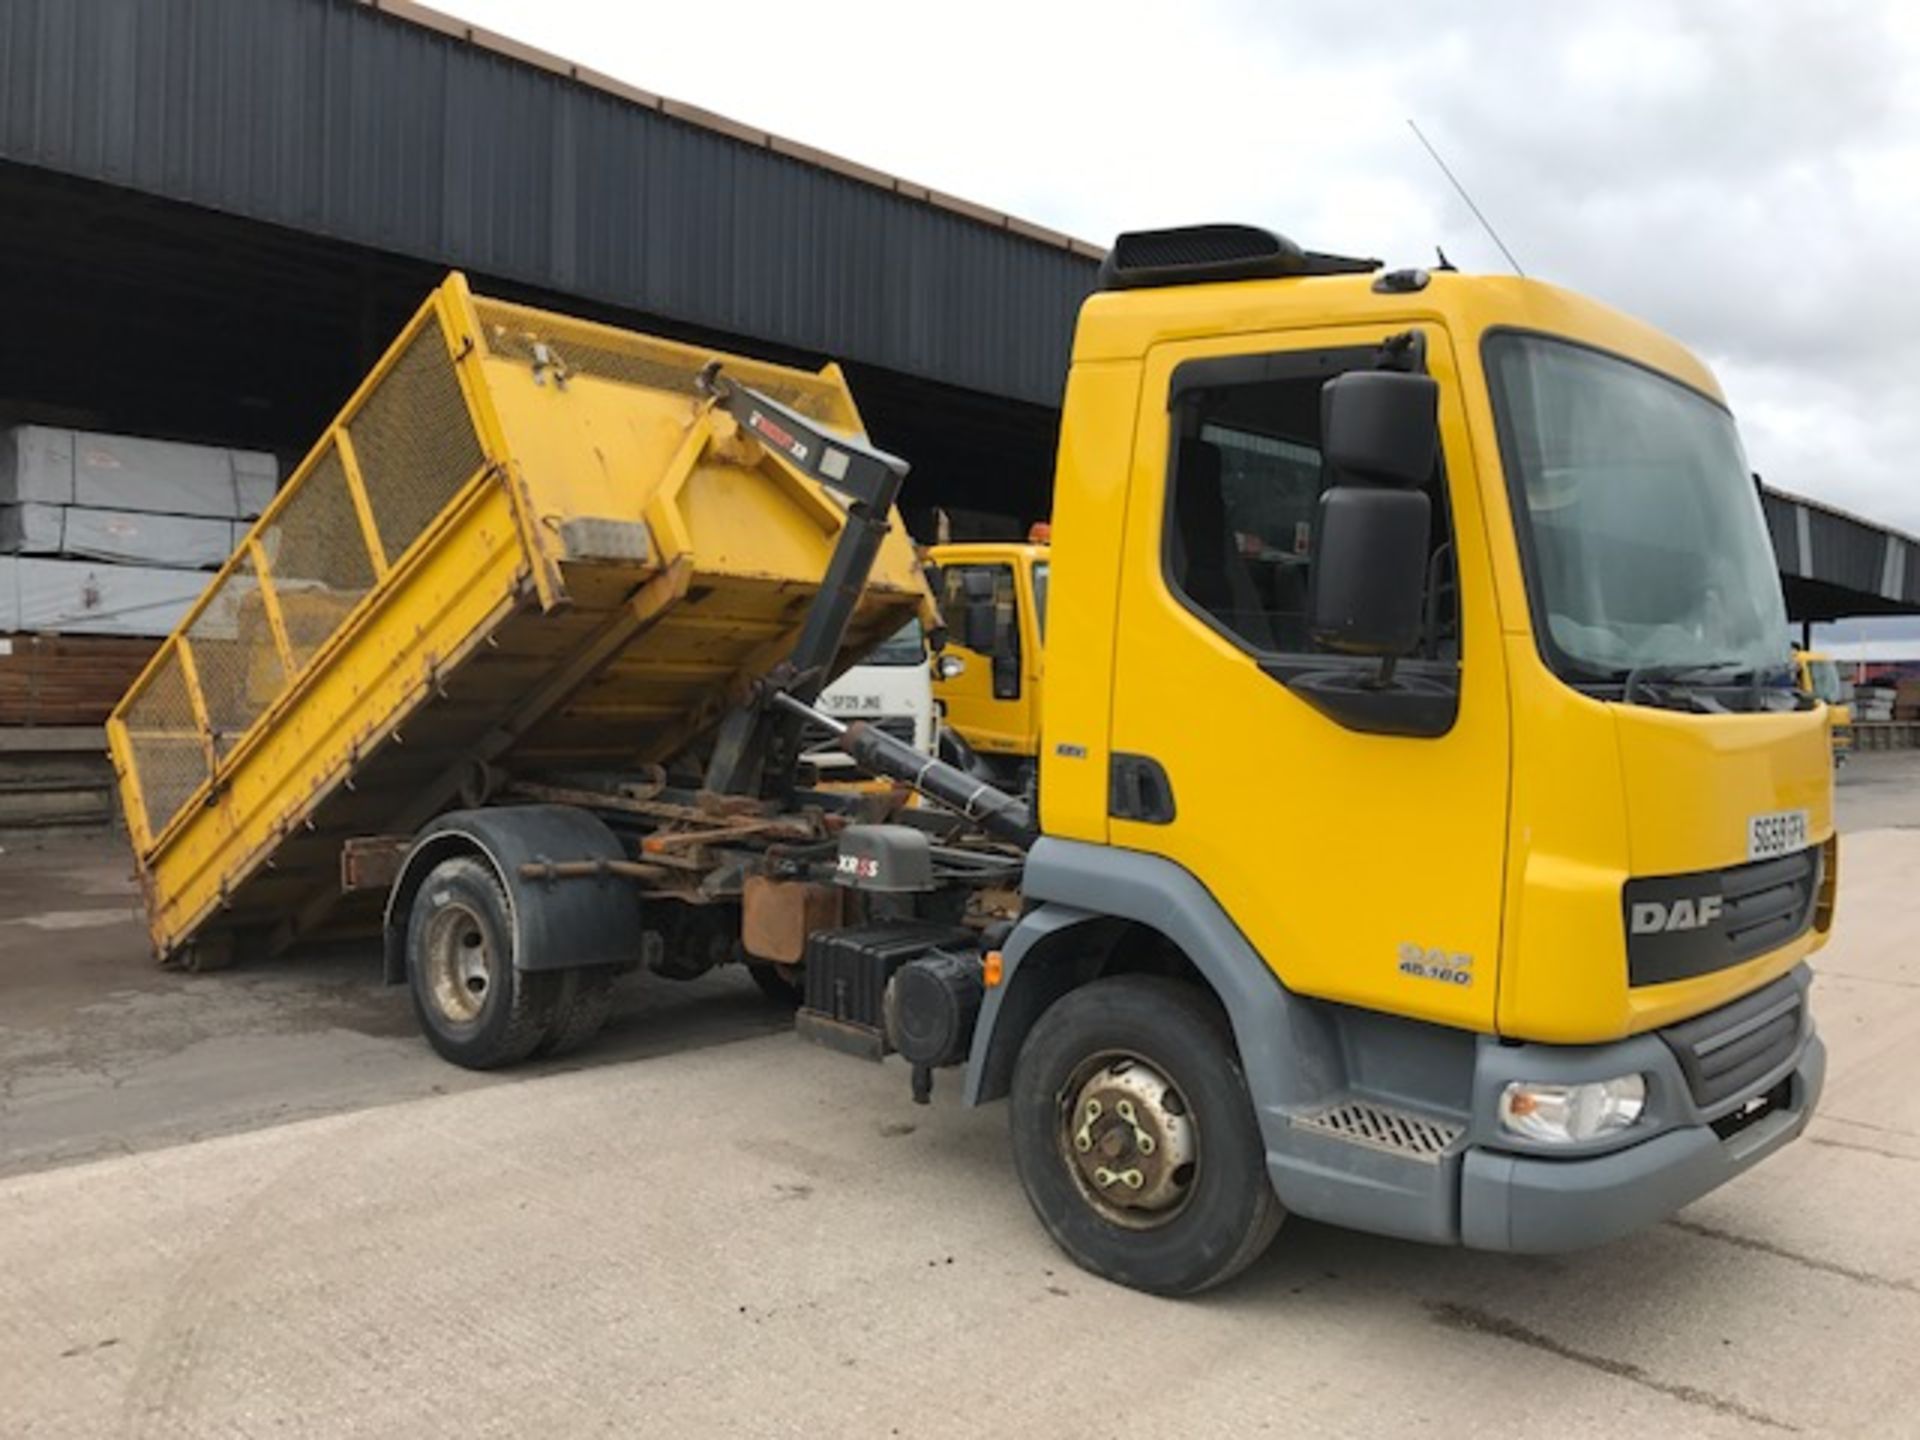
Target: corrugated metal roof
[(396, 127), (1835, 564), (453, 25)]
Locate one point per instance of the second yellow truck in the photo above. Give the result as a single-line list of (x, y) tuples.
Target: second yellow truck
[(993, 595), (1431, 839), (1818, 676)]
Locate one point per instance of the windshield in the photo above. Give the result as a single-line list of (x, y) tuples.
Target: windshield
[(904, 647), (1040, 598), (1648, 549)]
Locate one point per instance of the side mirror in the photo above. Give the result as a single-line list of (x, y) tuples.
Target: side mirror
[(949, 667), (1381, 427), (1367, 592), (979, 626), (1380, 435)]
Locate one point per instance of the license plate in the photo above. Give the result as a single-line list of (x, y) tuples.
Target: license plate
[(1781, 833)]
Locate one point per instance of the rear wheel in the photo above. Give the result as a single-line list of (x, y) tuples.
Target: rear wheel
[(1135, 1139), (476, 1008), (781, 984), (206, 953), (580, 1009)]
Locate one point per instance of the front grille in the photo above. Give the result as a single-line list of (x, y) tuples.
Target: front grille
[(815, 736), (1723, 1052), (1769, 903), (1683, 925)]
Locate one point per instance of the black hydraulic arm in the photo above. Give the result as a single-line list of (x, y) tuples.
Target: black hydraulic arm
[(762, 737), (997, 812)]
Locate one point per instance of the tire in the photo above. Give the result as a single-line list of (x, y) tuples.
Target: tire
[(1163, 1048), (476, 1008), (580, 1009), (781, 984), (205, 954)]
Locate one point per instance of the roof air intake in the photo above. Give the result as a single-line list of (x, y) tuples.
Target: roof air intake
[(1195, 254)]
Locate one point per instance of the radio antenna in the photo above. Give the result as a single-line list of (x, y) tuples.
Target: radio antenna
[(1485, 224)]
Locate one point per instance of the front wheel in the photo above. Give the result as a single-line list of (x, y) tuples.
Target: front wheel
[(1135, 1139), (477, 1008)]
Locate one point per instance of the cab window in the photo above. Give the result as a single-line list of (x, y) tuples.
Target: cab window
[(976, 589), (1246, 481)]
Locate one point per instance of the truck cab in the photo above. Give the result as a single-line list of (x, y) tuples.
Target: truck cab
[(988, 681), (1418, 683), (891, 688)]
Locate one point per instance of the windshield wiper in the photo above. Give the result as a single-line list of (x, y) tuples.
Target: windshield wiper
[(1642, 675), (1674, 681)]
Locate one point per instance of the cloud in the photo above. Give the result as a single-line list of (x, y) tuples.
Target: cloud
[(1746, 177)]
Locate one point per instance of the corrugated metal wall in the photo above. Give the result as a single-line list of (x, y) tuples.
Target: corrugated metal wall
[(329, 117)]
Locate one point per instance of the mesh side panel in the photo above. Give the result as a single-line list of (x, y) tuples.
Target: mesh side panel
[(317, 558), (414, 440), (168, 763), (235, 657), (512, 333)]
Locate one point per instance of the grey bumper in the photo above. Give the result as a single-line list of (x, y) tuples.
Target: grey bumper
[(1493, 1191), (1511, 1202)]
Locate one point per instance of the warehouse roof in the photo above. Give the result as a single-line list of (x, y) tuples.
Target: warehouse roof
[(1834, 564), (395, 127), (453, 25)]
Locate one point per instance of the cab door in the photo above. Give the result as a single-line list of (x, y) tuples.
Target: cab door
[(1365, 866), (992, 700)]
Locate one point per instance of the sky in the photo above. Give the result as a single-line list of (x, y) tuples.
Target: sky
[(1746, 176)]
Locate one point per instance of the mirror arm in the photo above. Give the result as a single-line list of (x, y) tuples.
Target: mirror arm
[(1405, 352)]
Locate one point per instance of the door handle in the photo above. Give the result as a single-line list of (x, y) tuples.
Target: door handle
[(1138, 789)]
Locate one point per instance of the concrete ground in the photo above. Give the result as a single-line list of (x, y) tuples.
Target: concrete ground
[(255, 1203), (1879, 790)]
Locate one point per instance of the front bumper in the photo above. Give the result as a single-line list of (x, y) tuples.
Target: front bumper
[(1724, 1090), (1513, 1202)]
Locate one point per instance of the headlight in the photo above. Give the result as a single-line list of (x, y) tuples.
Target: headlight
[(1567, 1114)]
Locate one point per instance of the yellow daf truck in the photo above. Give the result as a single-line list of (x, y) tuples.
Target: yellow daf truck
[(1430, 839)]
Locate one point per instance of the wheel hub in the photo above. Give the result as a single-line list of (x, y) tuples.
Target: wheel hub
[(1130, 1141), (460, 963)]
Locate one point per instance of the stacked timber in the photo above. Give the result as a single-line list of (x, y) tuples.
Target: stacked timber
[(106, 541), (67, 679), (1906, 699), (111, 534), (1873, 704), (54, 775)]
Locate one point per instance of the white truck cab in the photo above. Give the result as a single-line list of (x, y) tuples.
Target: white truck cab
[(892, 689)]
